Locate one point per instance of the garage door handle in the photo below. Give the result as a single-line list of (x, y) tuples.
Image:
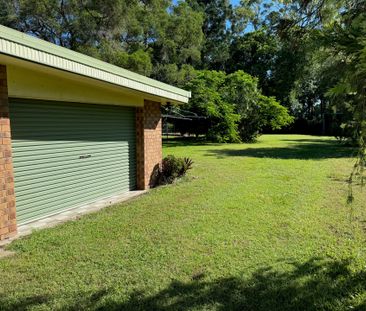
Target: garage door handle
[(85, 156)]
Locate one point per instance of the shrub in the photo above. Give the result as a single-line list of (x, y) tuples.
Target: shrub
[(266, 113), (233, 106), (256, 111), (207, 102), (172, 168)]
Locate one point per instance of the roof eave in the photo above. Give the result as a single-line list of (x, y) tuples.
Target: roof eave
[(23, 46)]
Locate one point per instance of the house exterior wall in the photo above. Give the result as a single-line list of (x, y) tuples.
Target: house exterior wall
[(8, 227), (51, 84), (148, 153), (148, 143)]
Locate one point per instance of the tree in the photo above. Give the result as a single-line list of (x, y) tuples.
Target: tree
[(217, 15), (179, 47), (349, 41), (256, 110), (234, 107), (343, 29), (255, 53), (136, 35), (221, 124), (69, 23), (181, 41)]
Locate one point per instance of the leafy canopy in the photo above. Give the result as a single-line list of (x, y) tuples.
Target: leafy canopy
[(234, 105)]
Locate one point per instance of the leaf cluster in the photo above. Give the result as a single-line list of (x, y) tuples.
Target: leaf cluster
[(236, 108)]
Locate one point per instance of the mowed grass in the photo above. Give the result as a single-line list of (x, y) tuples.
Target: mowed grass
[(260, 226)]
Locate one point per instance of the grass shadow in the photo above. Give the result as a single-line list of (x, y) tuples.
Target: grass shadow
[(311, 140), (316, 284), (84, 301), (187, 141), (309, 149), (298, 148)]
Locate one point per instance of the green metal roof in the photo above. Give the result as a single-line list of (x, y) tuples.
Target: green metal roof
[(30, 43)]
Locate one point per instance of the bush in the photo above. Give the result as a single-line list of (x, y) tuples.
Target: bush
[(207, 101), (233, 106), (173, 168), (266, 113), (256, 111)]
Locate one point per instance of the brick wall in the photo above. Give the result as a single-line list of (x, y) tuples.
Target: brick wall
[(8, 227), (149, 143)]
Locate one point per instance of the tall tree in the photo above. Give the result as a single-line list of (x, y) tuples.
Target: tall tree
[(217, 15), (69, 23), (137, 34), (255, 53)]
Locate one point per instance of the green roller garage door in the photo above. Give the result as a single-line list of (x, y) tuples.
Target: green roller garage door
[(67, 155)]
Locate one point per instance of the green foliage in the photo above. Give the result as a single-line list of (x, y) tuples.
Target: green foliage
[(235, 107), (132, 34), (274, 114), (208, 101), (181, 40), (170, 73), (139, 62), (267, 113), (217, 14), (349, 40), (172, 168), (255, 53), (67, 23)]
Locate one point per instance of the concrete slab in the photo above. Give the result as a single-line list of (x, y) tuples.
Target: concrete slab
[(71, 214)]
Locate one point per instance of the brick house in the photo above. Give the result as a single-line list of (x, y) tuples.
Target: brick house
[(73, 129)]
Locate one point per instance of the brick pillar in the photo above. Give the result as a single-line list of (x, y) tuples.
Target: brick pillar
[(148, 143), (8, 227)]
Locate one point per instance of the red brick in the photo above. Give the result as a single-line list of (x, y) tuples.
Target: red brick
[(8, 166), (10, 198), (3, 231), (6, 141), (8, 227), (4, 121), (12, 216), (7, 154), (148, 142), (13, 226)]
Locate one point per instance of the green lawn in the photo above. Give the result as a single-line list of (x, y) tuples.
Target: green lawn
[(258, 226)]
